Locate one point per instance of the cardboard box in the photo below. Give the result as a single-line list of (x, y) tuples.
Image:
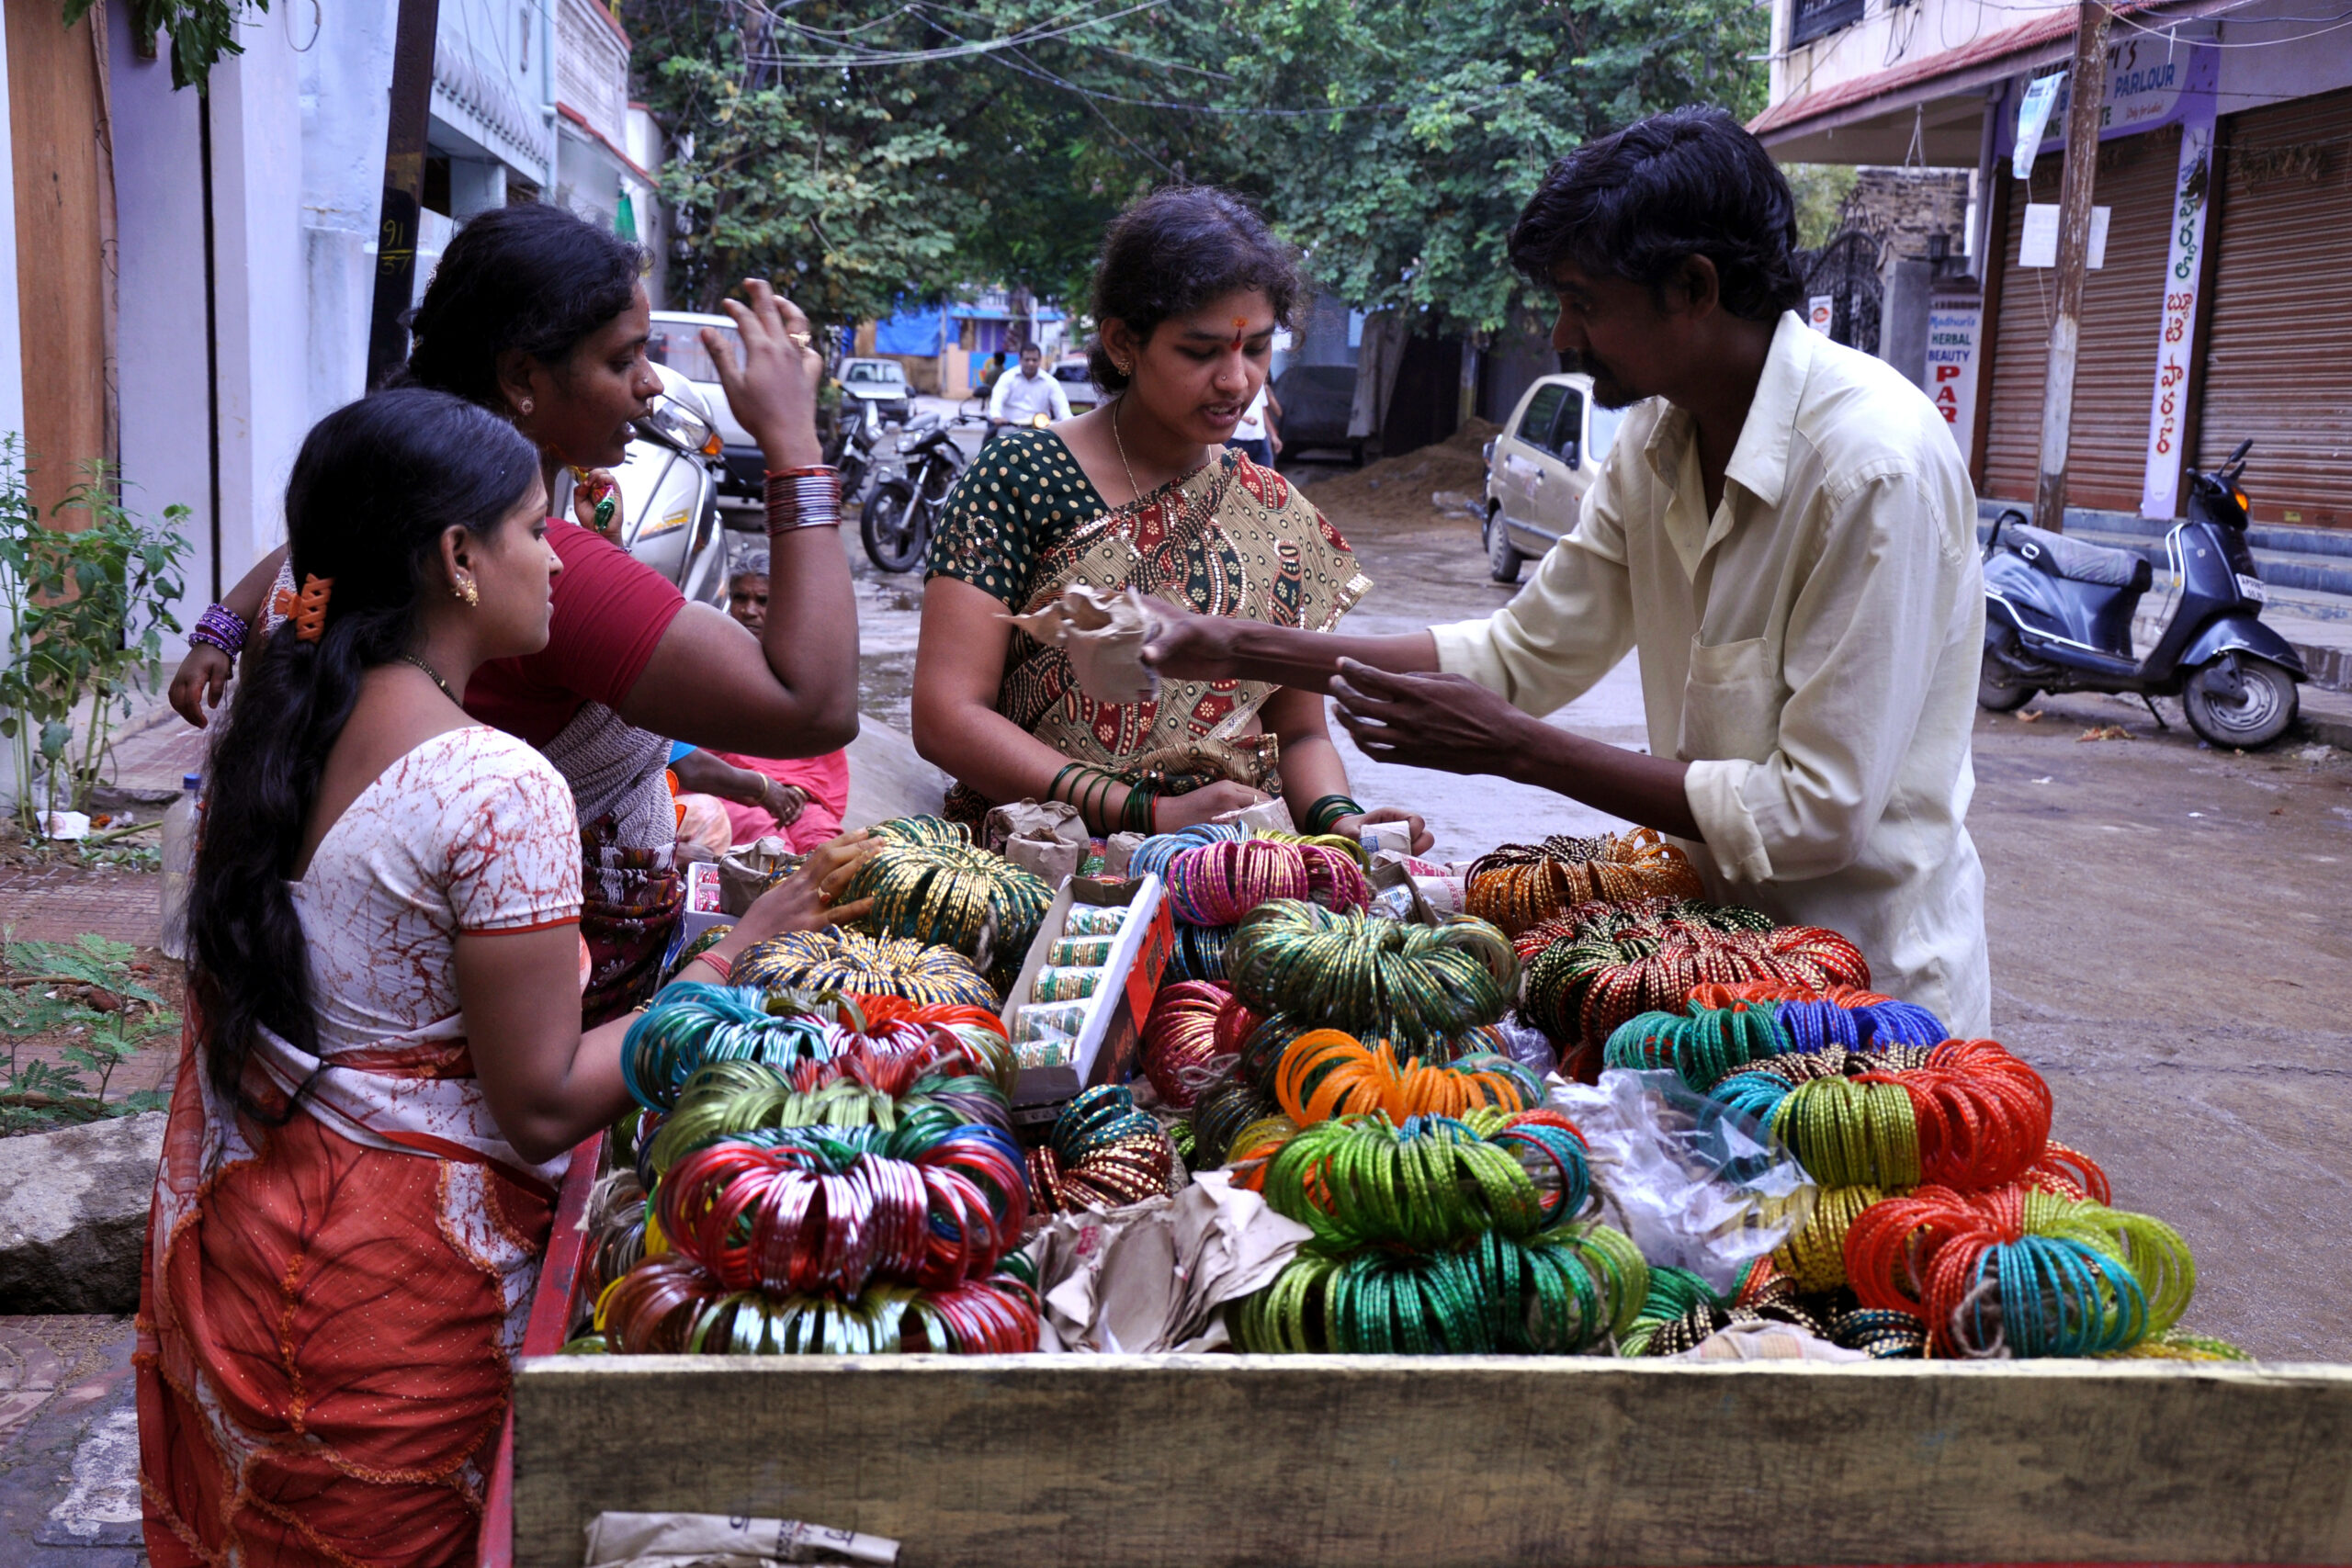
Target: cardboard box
[(706, 902), (1110, 1047)]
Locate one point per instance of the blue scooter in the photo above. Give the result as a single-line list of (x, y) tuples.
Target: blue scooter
[(2058, 618)]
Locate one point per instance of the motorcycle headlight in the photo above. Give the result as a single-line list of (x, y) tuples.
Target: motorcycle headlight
[(674, 425)]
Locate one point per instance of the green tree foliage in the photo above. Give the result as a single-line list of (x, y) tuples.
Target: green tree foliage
[(1821, 190), (880, 150)]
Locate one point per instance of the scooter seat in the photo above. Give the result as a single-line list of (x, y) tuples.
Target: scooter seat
[(2077, 560)]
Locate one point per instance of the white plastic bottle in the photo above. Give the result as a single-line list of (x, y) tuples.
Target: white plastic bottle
[(179, 864)]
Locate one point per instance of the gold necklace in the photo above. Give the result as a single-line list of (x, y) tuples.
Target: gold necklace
[(1116, 404), (1134, 489), (431, 674)]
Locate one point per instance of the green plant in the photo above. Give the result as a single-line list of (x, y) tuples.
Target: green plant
[(202, 32), (86, 612), (83, 996)]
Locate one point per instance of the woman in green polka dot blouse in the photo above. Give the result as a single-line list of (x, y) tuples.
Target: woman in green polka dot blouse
[(1142, 491)]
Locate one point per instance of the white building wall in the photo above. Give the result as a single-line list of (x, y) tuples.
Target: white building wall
[(159, 299), (298, 123)]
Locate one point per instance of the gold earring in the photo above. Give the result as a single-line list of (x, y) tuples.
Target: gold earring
[(467, 591)]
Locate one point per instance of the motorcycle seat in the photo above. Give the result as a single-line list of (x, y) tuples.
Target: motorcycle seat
[(2077, 560)]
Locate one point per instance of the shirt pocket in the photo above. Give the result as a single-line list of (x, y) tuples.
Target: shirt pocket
[(1731, 703)]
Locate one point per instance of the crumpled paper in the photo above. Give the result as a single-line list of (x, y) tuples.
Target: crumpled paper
[(1119, 853), (746, 873), (1047, 837), (715, 1540), (1766, 1341), (1150, 1275), (1693, 1182), (1103, 633)]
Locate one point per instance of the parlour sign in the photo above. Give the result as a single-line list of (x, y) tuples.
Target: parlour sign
[(2184, 271), (1954, 321), (2149, 81)]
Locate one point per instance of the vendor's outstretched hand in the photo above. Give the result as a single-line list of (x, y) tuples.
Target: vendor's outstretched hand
[(1187, 646), (804, 901), (1429, 721)]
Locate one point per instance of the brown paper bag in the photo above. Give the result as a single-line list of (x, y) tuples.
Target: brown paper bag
[(1103, 633), (1032, 820)]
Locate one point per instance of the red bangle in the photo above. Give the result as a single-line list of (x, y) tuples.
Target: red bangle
[(725, 971)]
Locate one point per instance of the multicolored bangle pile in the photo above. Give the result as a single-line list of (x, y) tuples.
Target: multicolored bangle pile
[(1103, 1153), (1519, 885), (1369, 976), (1216, 885), (1180, 1053), (1593, 968), (1324, 1074), (2016, 1270), (929, 882)]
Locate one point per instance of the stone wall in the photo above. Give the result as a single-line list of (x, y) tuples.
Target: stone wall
[(1900, 207)]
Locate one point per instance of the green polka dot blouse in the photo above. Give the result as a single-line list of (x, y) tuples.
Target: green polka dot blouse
[(1021, 495)]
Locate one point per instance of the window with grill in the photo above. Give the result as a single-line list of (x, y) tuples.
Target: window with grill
[(1809, 20)]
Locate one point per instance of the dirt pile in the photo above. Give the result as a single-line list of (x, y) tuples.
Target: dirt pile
[(1397, 490)]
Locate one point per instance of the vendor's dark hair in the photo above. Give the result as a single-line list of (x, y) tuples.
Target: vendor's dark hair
[(374, 487), (1634, 205), (531, 277), (1175, 251)]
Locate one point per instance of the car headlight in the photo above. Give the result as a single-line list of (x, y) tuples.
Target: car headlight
[(674, 425)]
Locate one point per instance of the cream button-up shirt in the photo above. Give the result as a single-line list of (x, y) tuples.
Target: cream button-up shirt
[(1810, 650)]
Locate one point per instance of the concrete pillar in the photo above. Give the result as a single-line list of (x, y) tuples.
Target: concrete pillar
[(1903, 319), (476, 184)]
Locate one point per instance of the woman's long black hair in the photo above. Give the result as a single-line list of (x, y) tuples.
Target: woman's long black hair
[(1175, 251), (531, 277), (376, 486)]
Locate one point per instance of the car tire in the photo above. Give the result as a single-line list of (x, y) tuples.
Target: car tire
[(2255, 715), (1502, 560)]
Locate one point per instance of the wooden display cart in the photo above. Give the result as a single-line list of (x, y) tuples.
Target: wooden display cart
[(1135, 1461)]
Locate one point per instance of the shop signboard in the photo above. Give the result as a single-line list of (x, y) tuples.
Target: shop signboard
[(1954, 321)]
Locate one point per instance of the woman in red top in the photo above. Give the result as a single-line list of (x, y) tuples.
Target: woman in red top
[(541, 318)]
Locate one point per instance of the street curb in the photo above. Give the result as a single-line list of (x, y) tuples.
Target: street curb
[(2328, 729)]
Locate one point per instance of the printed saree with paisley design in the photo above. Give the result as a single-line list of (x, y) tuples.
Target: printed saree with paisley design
[(1230, 539)]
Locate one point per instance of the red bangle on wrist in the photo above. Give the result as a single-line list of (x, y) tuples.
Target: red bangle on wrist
[(725, 971)]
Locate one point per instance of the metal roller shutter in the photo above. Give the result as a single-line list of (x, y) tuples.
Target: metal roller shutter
[(2122, 311), (2281, 329)]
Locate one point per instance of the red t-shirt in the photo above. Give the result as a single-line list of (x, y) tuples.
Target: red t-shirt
[(610, 611)]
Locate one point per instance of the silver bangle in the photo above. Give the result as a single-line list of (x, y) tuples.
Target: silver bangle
[(804, 498)]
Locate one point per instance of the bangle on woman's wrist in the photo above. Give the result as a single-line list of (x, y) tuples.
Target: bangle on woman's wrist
[(1328, 811), (804, 498), (725, 970), (222, 628)]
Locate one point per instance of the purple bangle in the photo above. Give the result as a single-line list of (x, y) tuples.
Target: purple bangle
[(804, 498), (222, 628)]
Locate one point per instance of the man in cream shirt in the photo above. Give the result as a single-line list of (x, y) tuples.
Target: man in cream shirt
[(1786, 533)]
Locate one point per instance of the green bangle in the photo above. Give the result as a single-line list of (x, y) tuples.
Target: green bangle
[(1328, 811)]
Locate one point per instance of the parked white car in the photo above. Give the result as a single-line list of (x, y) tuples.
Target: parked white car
[(676, 344), (1539, 468), (882, 382)]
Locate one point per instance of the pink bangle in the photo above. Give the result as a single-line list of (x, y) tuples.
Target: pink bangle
[(725, 971)]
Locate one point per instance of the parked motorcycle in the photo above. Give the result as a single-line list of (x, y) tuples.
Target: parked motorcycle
[(860, 436), (901, 516), (669, 499), (2058, 614)]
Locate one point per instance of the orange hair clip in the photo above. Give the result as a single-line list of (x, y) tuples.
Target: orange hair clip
[(307, 609)]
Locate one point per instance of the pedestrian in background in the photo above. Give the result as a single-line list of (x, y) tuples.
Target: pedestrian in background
[(1255, 436)]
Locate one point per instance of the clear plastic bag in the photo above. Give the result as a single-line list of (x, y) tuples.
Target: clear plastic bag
[(1696, 1184)]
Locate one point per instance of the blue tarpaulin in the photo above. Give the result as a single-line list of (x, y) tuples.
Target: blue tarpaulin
[(910, 331)]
